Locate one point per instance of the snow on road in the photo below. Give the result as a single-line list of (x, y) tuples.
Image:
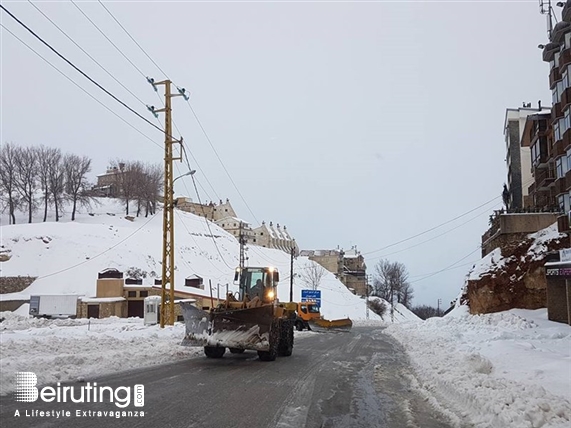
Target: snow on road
[(509, 369)]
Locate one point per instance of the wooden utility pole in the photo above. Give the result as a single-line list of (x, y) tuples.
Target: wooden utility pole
[(292, 254), (243, 242), (167, 290)]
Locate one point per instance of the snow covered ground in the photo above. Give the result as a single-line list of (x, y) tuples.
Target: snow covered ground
[(67, 256), (508, 369)]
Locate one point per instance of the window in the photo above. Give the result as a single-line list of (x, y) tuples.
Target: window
[(150, 309), (535, 154), (556, 58), (554, 95), (559, 90), (564, 202), (566, 121), (552, 63), (568, 159), (561, 166), (556, 131), (565, 79), (143, 293), (131, 294)]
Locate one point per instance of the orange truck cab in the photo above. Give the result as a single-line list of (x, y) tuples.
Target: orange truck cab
[(306, 311)]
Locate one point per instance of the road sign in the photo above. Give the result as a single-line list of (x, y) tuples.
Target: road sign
[(313, 295)]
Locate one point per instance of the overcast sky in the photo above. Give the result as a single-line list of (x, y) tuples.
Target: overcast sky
[(351, 123)]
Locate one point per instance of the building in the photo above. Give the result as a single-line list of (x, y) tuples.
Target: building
[(108, 183), (270, 236), (124, 297), (348, 266), (211, 211), (518, 156), (558, 154)]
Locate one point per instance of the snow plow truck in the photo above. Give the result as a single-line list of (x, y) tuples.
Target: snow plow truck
[(251, 319)]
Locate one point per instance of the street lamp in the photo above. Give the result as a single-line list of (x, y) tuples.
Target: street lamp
[(191, 172)]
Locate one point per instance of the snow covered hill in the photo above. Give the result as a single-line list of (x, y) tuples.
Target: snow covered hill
[(67, 256)]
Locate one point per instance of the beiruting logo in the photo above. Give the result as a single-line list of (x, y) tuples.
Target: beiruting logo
[(27, 392)]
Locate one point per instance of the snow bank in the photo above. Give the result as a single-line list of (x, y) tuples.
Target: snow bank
[(505, 369), (66, 349)]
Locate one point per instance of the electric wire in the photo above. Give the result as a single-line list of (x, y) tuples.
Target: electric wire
[(432, 228), (100, 254), (430, 239), (448, 267), (208, 223), (108, 39), (80, 87), (86, 53), (78, 69), (162, 102)]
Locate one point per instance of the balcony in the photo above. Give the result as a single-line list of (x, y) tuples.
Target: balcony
[(549, 51), (565, 58), (539, 153), (554, 77), (560, 186), (544, 178), (558, 149), (568, 180), (565, 98), (556, 112)]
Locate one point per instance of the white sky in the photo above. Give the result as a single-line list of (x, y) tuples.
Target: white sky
[(351, 123)]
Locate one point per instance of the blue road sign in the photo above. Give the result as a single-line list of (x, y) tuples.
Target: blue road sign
[(313, 295)]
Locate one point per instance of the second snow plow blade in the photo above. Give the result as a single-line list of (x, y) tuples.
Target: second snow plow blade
[(247, 328), (323, 324)]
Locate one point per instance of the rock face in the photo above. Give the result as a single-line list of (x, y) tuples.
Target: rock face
[(513, 276)]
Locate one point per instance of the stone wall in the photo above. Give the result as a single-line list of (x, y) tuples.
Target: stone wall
[(15, 284), (520, 283)]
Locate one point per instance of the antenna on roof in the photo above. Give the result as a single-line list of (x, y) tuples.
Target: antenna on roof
[(545, 8)]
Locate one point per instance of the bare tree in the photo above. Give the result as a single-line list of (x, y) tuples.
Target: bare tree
[(151, 189), (56, 172), (312, 274), (46, 157), (127, 178), (390, 282), (424, 311), (8, 178), (76, 169), (26, 173)]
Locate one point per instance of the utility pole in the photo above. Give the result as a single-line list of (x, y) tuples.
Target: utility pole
[(292, 254), (167, 285), (367, 302), (242, 241), (438, 307)]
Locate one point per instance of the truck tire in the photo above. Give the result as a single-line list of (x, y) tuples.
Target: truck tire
[(214, 351), (299, 325), (274, 343), (236, 350), (285, 347)]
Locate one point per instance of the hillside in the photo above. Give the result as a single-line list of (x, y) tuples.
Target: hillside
[(512, 276), (67, 256)]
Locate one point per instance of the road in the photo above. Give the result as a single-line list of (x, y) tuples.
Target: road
[(332, 380)]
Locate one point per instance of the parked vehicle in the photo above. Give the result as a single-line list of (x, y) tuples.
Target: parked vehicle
[(53, 305)]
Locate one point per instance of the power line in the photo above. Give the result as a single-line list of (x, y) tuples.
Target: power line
[(131, 37), (430, 239), (167, 76), (208, 223), (109, 40), (86, 53), (448, 267), (432, 228), (79, 70), (100, 254), (79, 86)]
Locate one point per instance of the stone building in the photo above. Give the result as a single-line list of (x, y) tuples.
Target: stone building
[(270, 236), (348, 266)]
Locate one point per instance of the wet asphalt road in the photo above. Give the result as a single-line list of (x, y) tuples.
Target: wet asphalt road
[(332, 380)]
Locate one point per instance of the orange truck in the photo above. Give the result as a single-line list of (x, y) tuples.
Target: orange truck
[(309, 318)]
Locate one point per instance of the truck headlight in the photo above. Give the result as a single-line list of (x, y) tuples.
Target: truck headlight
[(271, 294)]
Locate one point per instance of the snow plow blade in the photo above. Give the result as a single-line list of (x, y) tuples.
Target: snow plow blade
[(320, 324), (247, 328)]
